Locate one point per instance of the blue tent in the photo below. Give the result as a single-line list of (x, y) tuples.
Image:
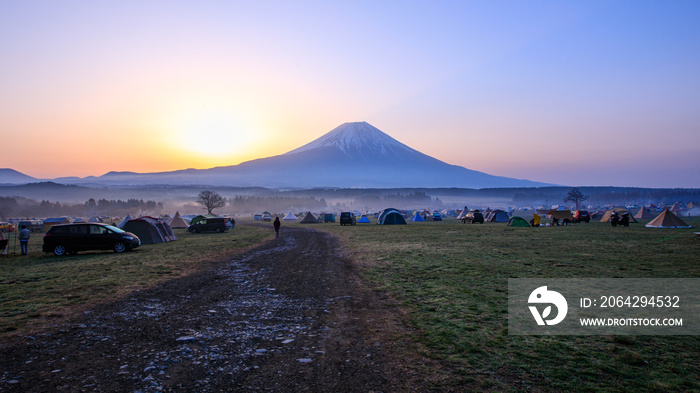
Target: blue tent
[(391, 217), (416, 217), (363, 220)]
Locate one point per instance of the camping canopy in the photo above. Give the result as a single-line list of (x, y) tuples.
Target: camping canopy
[(667, 220), (391, 217), (561, 214), (290, 217), (416, 217), (517, 222)]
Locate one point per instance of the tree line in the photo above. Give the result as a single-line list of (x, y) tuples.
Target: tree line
[(17, 207)]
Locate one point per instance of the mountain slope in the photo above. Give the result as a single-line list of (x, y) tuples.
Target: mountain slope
[(351, 155), (11, 176)]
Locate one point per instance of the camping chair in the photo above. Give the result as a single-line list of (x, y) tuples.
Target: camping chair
[(697, 235)]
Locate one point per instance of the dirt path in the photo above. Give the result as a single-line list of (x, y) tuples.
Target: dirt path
[(290, 316)]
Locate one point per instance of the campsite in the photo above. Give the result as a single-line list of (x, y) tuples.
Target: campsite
[(443, 312)]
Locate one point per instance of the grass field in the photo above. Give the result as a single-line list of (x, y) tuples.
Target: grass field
[(41, 288), (450, 277), (453, 278)]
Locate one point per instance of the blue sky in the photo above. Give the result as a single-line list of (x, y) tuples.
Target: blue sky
[(575, 93)]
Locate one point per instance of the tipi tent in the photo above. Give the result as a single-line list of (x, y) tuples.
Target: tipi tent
[(620, 211), (391, 217), (124, 221), (363, 220), (643, 213), (667, 220), (178, 221), (290, 217), (498, 216), (517, 222), (463, 213), (309, 219), (417, 217)]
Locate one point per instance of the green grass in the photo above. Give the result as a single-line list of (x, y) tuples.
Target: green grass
[(453, 279), (37, 289)]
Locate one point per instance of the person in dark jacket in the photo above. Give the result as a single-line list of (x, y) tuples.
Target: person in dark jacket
[(277, 225), (24, 239)]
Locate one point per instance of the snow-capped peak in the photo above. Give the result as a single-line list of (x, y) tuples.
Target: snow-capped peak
[(356, 138)]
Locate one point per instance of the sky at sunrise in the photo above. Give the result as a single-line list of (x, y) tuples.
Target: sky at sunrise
[(563, 92)]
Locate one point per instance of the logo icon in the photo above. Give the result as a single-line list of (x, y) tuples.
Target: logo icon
[(542, 295)]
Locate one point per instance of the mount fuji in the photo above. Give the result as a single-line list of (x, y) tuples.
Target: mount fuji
[(353, 155)]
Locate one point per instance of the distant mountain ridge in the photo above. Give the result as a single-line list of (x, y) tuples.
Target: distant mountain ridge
[(353, 155)]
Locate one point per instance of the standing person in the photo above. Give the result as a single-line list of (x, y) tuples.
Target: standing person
[(277, 225), (24, 239)]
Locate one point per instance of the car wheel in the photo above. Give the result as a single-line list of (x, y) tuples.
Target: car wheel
[(218, 230), (59, 250), (119, 247)]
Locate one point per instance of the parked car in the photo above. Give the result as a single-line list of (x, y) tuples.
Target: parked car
[(347, 218), (267, 217), (581, 215), (475, 216), (71, 238), (437, 217), (329, 217), (215, 224)]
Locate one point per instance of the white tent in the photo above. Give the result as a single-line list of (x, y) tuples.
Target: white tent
[(124, 221), (463, 213), (290, 217)]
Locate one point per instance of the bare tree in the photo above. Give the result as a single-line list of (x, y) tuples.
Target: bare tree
[(211, 200), (575, 196)]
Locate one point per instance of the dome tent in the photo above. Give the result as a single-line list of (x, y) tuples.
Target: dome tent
[(417, 217), (517, 222), (391, 217), (363, 220)]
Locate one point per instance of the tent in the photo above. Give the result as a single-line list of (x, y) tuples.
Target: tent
[(463, 213), (309, 219), (178, 221), (199, 218), (96, 219), (643, 213), (517, 222), (124, 221), (620, 211), (667, 220), (416, 217), (498, 216), (290, 217), (150, 230), (49, 222), (363, 220), (676, 208), (391, 217)]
